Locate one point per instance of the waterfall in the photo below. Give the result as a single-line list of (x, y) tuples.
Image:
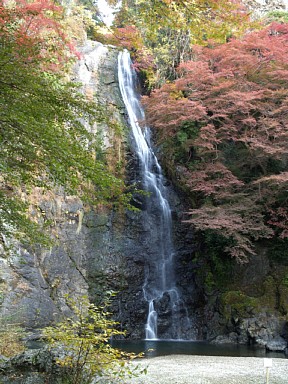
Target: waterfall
[(167, 315)]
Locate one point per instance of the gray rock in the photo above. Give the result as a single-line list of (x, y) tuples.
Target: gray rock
[(278, 344), (33, 367), (259, 329), (232, 338), (260, 7)]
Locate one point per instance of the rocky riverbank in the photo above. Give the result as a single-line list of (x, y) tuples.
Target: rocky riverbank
[(184, 369)]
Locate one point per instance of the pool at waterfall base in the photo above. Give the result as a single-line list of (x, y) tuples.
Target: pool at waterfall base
[(153, 348)]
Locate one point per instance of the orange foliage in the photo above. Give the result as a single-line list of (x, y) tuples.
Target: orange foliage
[(35, 33)]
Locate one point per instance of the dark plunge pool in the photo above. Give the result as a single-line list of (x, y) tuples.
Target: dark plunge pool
[(153, 348)]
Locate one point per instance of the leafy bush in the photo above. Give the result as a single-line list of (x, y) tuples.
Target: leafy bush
[(88, 357)]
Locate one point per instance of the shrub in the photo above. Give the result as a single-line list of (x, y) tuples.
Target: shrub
[(87, 355)]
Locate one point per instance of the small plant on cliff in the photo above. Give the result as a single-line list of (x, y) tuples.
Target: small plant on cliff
[(10, 339), (88, 357)]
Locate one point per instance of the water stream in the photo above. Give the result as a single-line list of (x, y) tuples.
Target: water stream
[(167, 316)]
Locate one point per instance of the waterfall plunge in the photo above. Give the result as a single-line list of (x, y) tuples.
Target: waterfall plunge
[(159, 287)]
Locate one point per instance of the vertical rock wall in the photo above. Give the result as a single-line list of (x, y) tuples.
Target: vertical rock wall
[(99, 249), (34, 282)]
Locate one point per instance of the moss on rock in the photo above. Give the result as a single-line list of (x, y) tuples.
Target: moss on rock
[(237, 304)]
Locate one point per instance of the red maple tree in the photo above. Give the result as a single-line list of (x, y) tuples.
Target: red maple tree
[(35, 33), (235, 97)]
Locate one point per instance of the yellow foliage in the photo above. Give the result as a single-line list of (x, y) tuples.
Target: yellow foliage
[(85, 340)]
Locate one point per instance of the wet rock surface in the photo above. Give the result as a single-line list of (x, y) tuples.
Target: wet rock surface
[(278, 344)]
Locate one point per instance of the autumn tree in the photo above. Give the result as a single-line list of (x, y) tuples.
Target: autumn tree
[(87, 356), (44, 141), (224, 123), (169, 27)]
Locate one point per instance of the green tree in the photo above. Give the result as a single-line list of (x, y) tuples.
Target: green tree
[(88, 357), (204, 19), (170, 27), (44, 141)]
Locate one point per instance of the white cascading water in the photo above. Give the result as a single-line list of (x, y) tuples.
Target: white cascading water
[(159, 280)]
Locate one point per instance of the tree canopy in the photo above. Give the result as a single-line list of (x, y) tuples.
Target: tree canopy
[(87, 355), (170, 27)]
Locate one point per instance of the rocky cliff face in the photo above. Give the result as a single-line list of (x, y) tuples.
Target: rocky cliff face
[(34, 283), (96, 250), (245, 304)]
